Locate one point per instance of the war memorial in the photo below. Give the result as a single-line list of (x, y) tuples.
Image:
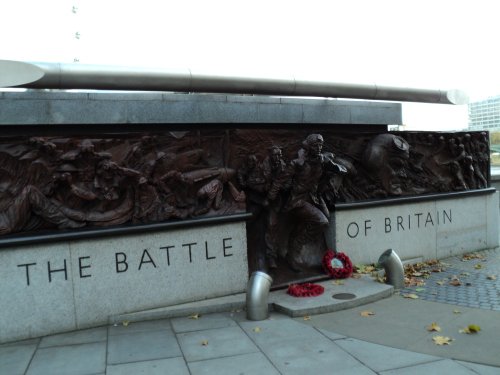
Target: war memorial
[(122, 191)]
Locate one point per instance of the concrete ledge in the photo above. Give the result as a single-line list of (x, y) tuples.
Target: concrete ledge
[(37, 107), (208, 306), (365, 289)]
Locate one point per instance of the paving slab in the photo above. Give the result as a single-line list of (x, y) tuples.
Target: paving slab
[(295, 348), (481, 369), (269, 333), (175, 366), (313, 356), (380, 357), (126, 327), (248, 364), (14, 359), (142, 346), (85, 336), (83, 359), (331, 335), (214, 343), (201, 322), (445, 366)]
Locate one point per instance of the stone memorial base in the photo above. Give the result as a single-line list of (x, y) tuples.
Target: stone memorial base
[(63, 286), (432, 228)]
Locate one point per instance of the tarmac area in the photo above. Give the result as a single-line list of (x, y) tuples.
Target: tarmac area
[(383, 335)]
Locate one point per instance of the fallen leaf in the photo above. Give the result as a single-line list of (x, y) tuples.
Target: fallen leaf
[(307, 317), (380, 279), (478, 266), (410, 295), (474, 328), (491, 277), (434, 327), (470, 329), (204, 342), (361, 268), (125, 323), (419, 289), (457, 312), (194, 316), (412, 281), (467, 257), (338, 282), (455, 282), (257, 329), (356, 276), (366, 313), (440, 282), (442, 340)]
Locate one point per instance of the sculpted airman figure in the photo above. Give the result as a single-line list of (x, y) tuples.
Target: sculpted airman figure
[(305, 203)]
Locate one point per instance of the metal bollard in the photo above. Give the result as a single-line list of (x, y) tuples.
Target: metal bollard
[(394, 271), (258, 288)]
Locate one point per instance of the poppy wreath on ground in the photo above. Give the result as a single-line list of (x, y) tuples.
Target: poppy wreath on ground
[(337, 265), (305, 290)]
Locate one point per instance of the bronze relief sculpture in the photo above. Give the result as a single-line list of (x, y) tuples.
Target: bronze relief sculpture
[(289, 180)]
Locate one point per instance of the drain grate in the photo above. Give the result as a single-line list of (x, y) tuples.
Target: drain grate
[(344, 296)]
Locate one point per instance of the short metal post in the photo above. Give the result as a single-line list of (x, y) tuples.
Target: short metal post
[(258, 288), (394, 271)]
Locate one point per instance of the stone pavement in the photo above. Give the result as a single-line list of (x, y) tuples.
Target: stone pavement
[(472, 281), (392, 341)]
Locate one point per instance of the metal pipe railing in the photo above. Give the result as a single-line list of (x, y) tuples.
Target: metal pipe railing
[(40, 75)]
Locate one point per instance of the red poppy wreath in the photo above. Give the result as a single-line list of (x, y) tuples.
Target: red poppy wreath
[(305, 290), (337, 265)]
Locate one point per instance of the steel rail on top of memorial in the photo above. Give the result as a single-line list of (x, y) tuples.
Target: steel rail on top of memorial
[(47, 75)]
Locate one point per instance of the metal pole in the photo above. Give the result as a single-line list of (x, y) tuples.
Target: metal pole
[(102, 77)]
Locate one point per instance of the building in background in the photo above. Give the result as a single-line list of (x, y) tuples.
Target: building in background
[(485, 114)]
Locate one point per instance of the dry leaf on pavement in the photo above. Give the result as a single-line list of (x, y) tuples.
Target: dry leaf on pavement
[(125, 323), (204, 342), (434, 327), (410, 295), (194, 316), (470, 329), (338, 282), (467, 257), (442, 340), (257, 329), (457, 312), (366, 313), (491, 277), (307, 317), (455, 282), (478, 266)]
